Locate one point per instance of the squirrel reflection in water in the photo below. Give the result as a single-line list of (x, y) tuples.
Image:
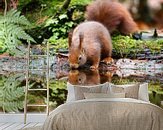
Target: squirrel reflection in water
[(88, 77)]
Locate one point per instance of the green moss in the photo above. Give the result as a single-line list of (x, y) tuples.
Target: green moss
[(120, 81), (125, 45)]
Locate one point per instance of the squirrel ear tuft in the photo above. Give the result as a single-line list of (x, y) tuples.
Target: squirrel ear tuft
[(81, 38), (70, 37), (83, 50)]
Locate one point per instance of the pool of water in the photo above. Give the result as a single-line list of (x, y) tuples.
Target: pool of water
[(13, 86)]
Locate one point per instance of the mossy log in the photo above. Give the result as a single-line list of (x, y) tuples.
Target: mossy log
[(148, 45)]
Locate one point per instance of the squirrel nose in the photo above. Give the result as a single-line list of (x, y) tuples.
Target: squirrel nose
[(74, 66)]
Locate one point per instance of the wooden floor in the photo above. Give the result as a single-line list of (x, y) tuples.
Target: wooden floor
[(17, 126), (16, 121)]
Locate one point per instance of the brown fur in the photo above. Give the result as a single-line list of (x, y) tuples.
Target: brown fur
[(113, 15), (91, 42)]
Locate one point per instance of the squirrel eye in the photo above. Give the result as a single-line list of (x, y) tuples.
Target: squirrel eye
[(79, 80), (79, 58)]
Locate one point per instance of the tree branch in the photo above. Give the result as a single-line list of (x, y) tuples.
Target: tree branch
[(5, 11)]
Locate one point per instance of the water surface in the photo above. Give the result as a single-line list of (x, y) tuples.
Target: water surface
[(12, 86)]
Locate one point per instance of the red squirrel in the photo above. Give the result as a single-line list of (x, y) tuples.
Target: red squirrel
[(113, 15), (91, 41)]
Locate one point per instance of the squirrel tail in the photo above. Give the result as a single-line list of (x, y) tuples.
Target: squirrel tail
[(112, 15)]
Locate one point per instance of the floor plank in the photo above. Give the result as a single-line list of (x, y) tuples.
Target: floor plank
[(32, 117), (13, 126), (18, 126), (30, 125), (22, 125), (1, 124), (5, 126), (39, 124)]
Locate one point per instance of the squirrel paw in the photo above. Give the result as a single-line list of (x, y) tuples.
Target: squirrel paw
[(108, 61)]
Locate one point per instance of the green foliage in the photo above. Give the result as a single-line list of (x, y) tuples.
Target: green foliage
[(12, 30), (155, 93), (156, 87), (59, 92), (11, 94), (31, 8), (58, 22), (60, 26), (37, 9), (12, 89), (80, 2), (58, 44), (125, 45), (156, 98)]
